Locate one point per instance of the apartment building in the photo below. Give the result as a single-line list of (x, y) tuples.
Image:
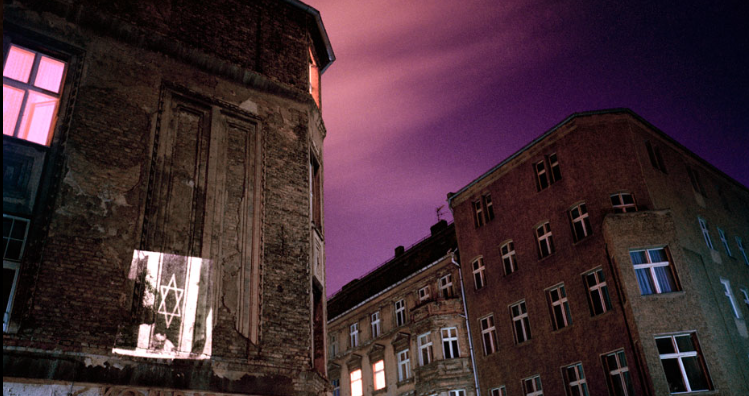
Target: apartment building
[(162, 198), (606, 258), (401, 329)]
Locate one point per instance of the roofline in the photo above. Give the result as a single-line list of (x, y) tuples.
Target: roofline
[(321, 29)]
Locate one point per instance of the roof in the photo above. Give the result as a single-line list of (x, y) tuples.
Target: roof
[(319, 36)]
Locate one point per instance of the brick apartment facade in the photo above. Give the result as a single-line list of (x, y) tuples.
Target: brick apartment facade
[(612, 261), (400, 330), (162, 198)]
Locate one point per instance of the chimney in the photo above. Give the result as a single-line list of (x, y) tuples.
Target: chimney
[(399, 251), (441, 225)]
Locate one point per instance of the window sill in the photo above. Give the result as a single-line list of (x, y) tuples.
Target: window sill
[(675, 294), (540, 259), (405, 382)]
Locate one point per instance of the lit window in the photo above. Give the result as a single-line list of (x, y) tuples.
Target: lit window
[(508, 257), (425, 348), (617, 372), (400, 313), (489, 335), (333, 345), (598, 292), (705, 232), (32, 85), (623, 203), (560, 308), (723, 239), (520, 323), (731, 299), (404, 365), (424, 294), (314, 78), (356, 383), (654, 270), (574, 378), (446, 286), (450, 343), (694, 178), (15, 232), (545, 240), (532, 386), (683, 363), (741, 249), (656, 159), (375, 321), (580, 221), (478, 213), (478, 273), (378, 371), (336, 387), (501, 391), (354, 335)]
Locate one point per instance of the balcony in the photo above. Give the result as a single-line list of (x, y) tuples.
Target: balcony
[(435, 307)]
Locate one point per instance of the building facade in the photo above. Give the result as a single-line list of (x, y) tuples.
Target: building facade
[(400, 330), (612, 260), (162, 198)]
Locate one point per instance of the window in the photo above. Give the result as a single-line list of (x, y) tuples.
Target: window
[(617, 374), (542, 178), (314, 78), (508, 257), (478, 273), (32, 85), (336, 387), (354, 335), (694, 178), (378, 372), (556, 174), (520, 324), (424, 294), (489, 208), (574, 378), (425, 348), (375, 322), (488, 335), (15, 232), (315, 191), (333, 345), (501, 391), (400, 312), (446, 286), (356, 383), (478, 214), (532, 386), (723, 239), (580, 223), (656, 159), (483, 210), (560, 308), (547, 172), (450, 343), (745, 293), (741, 249), (545, 240), (459, 392), (683, 363), (623, 203), (598, 292), (404, 365), (654, 270), (705, 232), (731, 299)]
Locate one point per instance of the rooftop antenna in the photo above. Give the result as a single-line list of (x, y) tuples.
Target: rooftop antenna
[(439, 212)]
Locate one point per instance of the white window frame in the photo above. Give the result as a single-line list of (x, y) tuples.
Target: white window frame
[(13, 263), (457, 392), (508, 257), (651, 267), (621, 207), (488, 334), (336, 383), (532, 386), (542, 176), (400, 312), (561, 303), (479, 280), (357, 388), (488, 207), (729, 293), (375, 324), (577, 386), (522, 318), (478, 213), (618, 374), (740, 244), (554, 166), (404, 365), (723, 239), (579, 217), (599, 289), (544, 237), (679, 355), (333, 344), (424, 294), (450, 348), (424, 341), (499, 391), (446, 286), (378, 375), (745, 293), (705, 233), (354, 335)]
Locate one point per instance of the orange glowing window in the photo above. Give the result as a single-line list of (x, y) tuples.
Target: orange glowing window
[(31, 94), (314, 78)]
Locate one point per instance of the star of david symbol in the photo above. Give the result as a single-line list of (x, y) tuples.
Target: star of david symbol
[(176, 311)]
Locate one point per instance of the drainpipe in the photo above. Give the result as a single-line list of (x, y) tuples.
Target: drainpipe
[(468, 324)]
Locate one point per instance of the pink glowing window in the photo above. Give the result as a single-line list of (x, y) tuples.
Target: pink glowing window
[(31, 94)]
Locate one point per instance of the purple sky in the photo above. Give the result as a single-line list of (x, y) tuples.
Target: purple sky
[(425, 96)]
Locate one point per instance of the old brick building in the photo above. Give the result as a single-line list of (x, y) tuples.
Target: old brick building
[(162, 207), (400, 330), (607, 259)]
